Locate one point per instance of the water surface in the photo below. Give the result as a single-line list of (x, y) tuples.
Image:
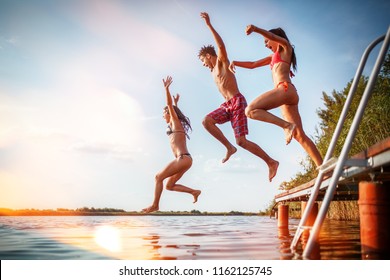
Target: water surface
[(166, 237)]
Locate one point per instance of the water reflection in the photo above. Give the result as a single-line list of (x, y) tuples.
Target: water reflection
[(337, 240), (164, 238), (285, 242), (169, 251), (373, 254), (154, 248)]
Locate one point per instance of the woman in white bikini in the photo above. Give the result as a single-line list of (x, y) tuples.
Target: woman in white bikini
[(284, 94), (178, 126)]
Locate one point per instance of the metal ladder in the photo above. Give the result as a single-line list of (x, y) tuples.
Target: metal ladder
[(337, 164)]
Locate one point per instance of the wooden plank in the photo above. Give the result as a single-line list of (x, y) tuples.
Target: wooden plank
[(375, 150)]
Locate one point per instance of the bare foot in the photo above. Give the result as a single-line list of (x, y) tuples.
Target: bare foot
[(229, 152), (289, 132), (196, 194), (273, 168), (150, 209)]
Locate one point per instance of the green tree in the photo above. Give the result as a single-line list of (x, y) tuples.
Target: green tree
[(374, 127)]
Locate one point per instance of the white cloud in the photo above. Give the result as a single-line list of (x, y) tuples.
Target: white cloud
[(114, 151), (139, 43), (9, 41), (14, 40)]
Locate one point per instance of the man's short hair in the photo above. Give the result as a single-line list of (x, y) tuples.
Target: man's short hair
[(207, 50)]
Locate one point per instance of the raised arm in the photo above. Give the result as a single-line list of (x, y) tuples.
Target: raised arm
[(269, 35), (222, 53), (167, 82), (176, 99)]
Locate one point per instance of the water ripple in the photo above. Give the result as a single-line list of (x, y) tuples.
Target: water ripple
[(167, 237)]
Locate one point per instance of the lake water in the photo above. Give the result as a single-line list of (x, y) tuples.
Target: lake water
[(166, 237)]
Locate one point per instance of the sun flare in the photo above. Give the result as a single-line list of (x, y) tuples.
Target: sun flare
[(109, 238)]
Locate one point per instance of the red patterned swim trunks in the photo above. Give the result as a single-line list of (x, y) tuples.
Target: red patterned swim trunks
[(233, 110)]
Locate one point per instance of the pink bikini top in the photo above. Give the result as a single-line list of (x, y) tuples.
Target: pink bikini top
[(276, 59)]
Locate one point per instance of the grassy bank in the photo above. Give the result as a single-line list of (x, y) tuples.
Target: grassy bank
[(338, 210)]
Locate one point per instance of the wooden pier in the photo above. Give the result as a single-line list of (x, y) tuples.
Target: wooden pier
[(377, 168), (366, 180)]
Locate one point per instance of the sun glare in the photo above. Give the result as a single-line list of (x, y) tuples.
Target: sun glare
[(108, 237)]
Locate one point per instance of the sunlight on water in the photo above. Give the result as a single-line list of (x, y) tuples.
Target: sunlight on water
[(109, 238), (165, 238)]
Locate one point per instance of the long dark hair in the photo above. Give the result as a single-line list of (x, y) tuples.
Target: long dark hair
[(280, 32), (185, 121)]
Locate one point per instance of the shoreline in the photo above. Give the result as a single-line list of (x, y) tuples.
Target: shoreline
[(26, 212)]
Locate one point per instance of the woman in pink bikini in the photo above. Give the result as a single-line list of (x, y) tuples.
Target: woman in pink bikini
[(284, 94), (178, 126)]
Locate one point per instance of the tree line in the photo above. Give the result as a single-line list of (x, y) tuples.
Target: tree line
[(86, 211)]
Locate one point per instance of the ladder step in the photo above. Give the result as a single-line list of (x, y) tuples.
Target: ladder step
[(328, 165), (331, 164), (358, 162)]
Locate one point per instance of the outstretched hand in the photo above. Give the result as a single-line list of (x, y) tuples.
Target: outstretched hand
[(167, 82), (249, 29), (206, 17), (176, 99)]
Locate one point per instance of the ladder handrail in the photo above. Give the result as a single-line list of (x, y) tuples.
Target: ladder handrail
[(335, 136), (351, 94), (347, 145)]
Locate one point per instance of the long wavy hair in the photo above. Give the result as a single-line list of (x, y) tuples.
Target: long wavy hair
[(185, 121), (280, 32)]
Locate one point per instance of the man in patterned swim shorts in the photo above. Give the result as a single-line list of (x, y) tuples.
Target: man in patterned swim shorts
[(233, 109)]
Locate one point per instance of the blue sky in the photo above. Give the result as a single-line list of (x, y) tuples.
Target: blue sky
[(81, 96)]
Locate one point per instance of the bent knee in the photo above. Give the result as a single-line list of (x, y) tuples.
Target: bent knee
[(241, 141), (158, 177), (248, 112), (171, 182), (207, 121), (299, 135)]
